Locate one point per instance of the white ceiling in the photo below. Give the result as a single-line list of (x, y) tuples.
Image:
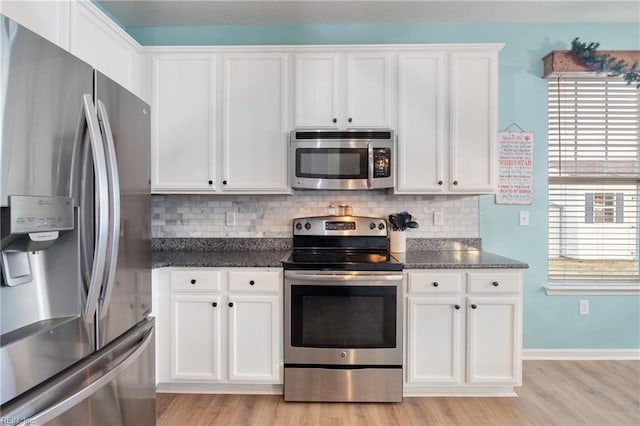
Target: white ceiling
[(274, 12)]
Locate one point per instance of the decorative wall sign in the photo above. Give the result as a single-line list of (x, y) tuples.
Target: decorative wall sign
[(515, 167)]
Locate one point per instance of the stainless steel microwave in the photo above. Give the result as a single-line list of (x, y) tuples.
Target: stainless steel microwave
[(342, 159)]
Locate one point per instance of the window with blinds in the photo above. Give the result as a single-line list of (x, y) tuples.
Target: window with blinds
[(594, 180)]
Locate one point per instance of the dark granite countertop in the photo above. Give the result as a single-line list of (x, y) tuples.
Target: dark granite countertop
[(455, 259), (219, 258), (271, 252)]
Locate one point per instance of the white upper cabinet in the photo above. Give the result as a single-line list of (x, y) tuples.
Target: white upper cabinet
[(97, 40), (49, 19), (183, 123), (421, 122), (447, 120), (316, 90), (341, 90), (254, 122), (473, 120), (369, 91), (81, 28)]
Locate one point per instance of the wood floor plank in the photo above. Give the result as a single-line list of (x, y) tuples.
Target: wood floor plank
[(553, 393)]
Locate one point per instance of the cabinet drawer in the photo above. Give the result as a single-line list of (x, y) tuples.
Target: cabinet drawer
[(435, 283), (494, 282), (196, 280), (262, 281)]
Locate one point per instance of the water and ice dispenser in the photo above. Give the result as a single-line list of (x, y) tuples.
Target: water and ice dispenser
[(31, 224)]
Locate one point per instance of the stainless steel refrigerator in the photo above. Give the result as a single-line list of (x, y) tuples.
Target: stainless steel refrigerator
[(77, 342)]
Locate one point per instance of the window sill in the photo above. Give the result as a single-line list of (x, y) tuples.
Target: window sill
[(593, 288)]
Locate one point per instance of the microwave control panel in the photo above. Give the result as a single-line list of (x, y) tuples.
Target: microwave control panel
[(381, 162)]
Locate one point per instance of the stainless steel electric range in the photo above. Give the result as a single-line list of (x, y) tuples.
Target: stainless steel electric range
[(343, 312)]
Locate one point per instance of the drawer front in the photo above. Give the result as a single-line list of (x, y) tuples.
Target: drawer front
[(494, 282), (255, 281), (196, 280), (435, 282)]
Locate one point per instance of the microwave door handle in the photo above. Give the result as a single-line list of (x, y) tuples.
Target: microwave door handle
[(370, 163), (114, 207), (102, 208)]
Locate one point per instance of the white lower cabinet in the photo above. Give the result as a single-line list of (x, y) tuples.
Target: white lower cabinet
[(219, 326), (464, 332), (196, 328)]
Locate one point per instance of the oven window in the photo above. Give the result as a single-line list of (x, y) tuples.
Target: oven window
[(332, 163), (343, 316)]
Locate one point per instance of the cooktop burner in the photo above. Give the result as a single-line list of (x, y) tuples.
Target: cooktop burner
[(341, 243)]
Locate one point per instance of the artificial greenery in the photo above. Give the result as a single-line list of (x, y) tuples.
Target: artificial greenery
[(603, 62)]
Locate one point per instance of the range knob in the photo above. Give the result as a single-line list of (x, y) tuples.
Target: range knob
[(372, 225), (381, 226), (307, 226), (298, 226)]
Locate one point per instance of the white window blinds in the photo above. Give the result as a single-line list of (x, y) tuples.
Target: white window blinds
[(594, 175)]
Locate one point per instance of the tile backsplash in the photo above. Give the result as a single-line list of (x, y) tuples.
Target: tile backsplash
[(269, 216)]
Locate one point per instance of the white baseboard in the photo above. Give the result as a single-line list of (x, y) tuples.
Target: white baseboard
[(581, 354)]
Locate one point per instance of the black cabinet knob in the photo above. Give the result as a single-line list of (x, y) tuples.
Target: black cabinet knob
[(435, 284), (210, 182), (474, 306), (350, 119), (456, 306), (440, 182), (193, 281), (214, 304), (455, 182), (335, 120), (252, 282), (224, 182), (231, 304), (495, 283)]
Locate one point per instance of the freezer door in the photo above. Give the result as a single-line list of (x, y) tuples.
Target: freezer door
[(41, 88), (112, 387), (126, 293)]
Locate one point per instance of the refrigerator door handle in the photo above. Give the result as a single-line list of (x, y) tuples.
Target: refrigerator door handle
[(114, 208), (59, 405), (102, 208)]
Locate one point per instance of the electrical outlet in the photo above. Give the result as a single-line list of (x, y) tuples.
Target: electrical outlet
[(584, 307), (438, 218), (524, 218), (231, 218)]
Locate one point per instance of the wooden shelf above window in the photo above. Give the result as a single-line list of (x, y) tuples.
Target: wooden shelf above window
[(559, 62)]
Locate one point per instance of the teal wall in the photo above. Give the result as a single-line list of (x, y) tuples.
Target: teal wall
[(550, 322)]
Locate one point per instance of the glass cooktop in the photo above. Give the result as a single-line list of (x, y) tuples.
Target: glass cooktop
[(343, 260)]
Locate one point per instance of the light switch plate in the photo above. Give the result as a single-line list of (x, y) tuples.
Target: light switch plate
[(231, 218), (524, 218), (438, 218)]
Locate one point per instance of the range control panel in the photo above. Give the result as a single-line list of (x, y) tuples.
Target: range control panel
[(340, 226)]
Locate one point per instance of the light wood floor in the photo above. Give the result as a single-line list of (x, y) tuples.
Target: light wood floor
[(553, 393)]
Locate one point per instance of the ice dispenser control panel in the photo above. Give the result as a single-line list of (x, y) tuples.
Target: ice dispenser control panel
[(29, 214)]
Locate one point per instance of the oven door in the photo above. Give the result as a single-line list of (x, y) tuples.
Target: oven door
[(341, 164), (343, 318)]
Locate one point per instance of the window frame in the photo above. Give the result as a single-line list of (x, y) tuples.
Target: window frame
[(591, 285)]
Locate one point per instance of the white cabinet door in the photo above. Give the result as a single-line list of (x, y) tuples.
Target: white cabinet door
[(254, 343), (421, 131), (317, 90), (48, 19), (97, 40), (473, 109), (434, 340), (255, 128), (183, 123), (369, 90), (493, 345), (195, 337)]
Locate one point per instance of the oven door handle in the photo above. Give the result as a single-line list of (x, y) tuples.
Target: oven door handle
[(342, 277)]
